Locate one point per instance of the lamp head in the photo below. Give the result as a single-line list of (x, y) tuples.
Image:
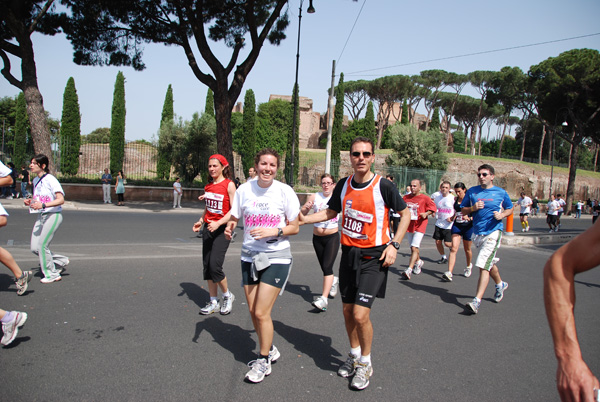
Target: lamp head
[(311, 9), (565, 124)]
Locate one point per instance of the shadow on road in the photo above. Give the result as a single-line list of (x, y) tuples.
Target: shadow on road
[(317, 347), (230, 337)]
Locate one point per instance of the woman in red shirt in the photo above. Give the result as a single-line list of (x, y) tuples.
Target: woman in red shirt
[(218, 195)]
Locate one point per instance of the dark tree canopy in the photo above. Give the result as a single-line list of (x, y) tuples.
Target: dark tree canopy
[(112, 32)]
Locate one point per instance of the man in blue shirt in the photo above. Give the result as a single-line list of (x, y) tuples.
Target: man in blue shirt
[(488, 205)]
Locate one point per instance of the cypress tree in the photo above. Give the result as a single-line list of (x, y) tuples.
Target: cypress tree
[(21, 122), (117, 126), (404, 118), (435, 120), (209, 108), (70, 130), (288, 156), (370, 131), (336, 130), (163, 163), (249, 142)]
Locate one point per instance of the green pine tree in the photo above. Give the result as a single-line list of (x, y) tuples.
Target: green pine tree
[(435, 120), (163, 162), (248, 145), (369, 121), (336, 130), (404, 118), (209, 108), (70, 130), (117, 126), (21, 124), (288, 155)]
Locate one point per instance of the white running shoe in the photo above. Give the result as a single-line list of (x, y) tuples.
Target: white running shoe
[(211, 307), (334, 287), (418, 266), (447, 276), (467, 272), (259, 369), (11, 328), (320, 303), (227, 304)]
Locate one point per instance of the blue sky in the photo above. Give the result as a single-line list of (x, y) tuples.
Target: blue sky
[(390, 37)]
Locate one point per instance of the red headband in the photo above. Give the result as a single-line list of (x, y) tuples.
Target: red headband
[(220, 158)]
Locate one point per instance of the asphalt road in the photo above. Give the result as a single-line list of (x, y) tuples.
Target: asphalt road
[(123, 323)]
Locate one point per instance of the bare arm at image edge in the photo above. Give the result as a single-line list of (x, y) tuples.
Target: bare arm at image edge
[(574, 379)]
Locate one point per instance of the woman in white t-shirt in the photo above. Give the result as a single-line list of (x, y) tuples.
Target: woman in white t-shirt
[(269, 210), (326, 240), (48, 196)]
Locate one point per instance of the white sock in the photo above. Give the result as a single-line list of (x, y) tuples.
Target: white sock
[(355, 351), (365, 359), (227, 294), (444, 257), (214, 300), (470, 266)]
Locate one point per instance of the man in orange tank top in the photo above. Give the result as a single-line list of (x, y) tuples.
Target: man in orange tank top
[(365, 200)]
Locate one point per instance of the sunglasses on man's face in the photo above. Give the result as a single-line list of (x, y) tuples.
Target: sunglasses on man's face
[(365, 154), (483, 174)]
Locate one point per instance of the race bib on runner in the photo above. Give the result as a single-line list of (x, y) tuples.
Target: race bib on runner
[(414, 211), (354, 223), (214, 203)]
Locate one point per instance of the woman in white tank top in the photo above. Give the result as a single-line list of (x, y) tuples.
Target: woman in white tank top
[(326, 240)]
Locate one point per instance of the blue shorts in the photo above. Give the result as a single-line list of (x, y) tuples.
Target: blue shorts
[(465, 231)]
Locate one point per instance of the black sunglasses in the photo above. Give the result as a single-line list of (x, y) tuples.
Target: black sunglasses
[(483, 174), (365, 154)]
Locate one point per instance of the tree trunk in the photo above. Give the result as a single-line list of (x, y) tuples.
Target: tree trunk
[(523, 145), (596, 157), (223, 106), (502, 137), (542, 143), (33, 96)]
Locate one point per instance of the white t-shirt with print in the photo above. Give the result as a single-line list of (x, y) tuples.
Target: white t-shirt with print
[(321, 202), (445, 210), (44, 191), (524, 204), (265, 207)]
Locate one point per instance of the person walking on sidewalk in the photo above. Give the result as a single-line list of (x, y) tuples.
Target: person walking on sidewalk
[(365, 200), (420, 207), (269, 210), (462, 229), (326, 240), (47, 201), (218, 195), (106, 182), (24, 176), (177, 193), (489, 205)]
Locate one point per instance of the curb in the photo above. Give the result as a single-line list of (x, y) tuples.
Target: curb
[(538, 239)]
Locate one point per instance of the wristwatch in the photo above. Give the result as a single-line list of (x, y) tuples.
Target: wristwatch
[(43, 205), (395, 244), (280, 232)]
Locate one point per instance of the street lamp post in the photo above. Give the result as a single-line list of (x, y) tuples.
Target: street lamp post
[(296, 91)]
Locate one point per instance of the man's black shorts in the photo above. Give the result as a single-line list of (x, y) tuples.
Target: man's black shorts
[(361, 286), (442, 234)]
